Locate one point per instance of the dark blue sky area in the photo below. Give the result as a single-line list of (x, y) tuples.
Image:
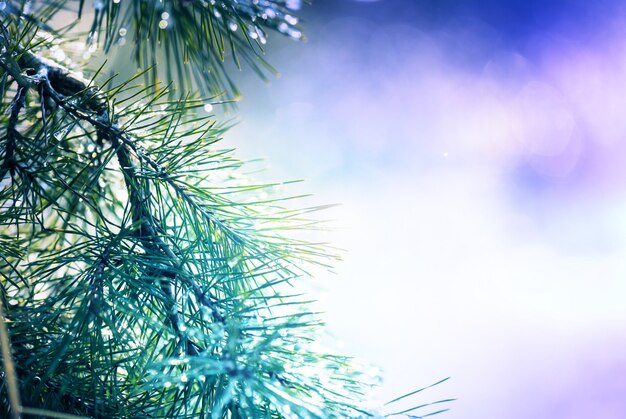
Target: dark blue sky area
[(514, 20)]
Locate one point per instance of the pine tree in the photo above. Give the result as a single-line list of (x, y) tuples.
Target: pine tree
[(139, 276)]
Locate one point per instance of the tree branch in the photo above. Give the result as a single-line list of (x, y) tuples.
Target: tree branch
[(58, 82), (18, 103), (9, 367)]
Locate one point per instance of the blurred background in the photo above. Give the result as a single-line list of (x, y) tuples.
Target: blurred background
[(478, 151)]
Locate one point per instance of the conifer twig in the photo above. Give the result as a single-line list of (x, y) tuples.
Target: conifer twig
[(16, 107), (47, 71), (9, 368)]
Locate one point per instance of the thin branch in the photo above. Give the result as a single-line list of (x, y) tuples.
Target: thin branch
[(49, 414), (9, 367), (16, 107), (64, 81), (147, 233)]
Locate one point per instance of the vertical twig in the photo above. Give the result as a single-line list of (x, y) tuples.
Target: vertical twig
[(8, 164), (9, 368)]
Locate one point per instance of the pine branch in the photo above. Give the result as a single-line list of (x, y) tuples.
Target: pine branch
[(84, 103), (54, 77), (145, 284), (193, 39), (57, 81)]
